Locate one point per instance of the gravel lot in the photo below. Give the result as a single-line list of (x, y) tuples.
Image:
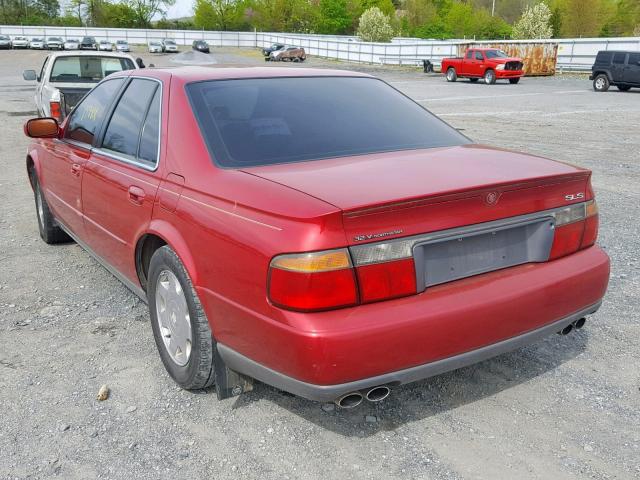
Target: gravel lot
[(568, 407)]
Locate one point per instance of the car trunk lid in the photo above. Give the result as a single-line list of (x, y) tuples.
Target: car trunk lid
[(396, 194)]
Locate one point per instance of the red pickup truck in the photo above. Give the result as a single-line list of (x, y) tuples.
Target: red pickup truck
[(490, 64)]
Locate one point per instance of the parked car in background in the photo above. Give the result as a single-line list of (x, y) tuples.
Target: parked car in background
[(288, 54), (66, 77), (274, 47), (20, 42), (122, 46), (37, 43), (155, 46), (72, 44), (5, 42), (619, 68), (490, 64), (55, 43), (200, 46), (169, 45), (314, 229), (88, 43), (105, 46)]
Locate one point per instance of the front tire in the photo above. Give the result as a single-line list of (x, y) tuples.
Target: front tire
[(49, 230), (452, 76), (601, 83), (180, 327), (489, 77), (514, 81)]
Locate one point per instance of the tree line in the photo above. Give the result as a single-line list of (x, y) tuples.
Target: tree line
[(437, 19)]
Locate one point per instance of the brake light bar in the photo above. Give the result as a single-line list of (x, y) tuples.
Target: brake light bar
[(383, 270)]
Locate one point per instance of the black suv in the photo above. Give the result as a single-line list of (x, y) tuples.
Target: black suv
[(88, 43), (618, 68)]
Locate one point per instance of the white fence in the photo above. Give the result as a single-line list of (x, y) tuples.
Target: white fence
[(574, 54)]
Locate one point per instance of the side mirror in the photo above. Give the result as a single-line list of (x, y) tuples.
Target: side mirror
[(638, 62), (140, 62), (29, 75), (42, 128)]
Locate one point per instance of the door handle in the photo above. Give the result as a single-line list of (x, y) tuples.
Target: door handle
[(75, 169), (136, 195)]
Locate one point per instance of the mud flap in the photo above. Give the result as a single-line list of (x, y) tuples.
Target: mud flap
[(228, 382)]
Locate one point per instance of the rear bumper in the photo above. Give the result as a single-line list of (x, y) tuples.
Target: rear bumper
[(328, 393), (409, 338)]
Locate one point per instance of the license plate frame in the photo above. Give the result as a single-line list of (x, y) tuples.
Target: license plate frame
[(470, 251)]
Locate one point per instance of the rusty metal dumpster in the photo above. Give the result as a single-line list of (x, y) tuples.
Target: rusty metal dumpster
[(539, 57)]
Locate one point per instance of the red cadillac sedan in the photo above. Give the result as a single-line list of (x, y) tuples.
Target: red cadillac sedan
[(315, 230)]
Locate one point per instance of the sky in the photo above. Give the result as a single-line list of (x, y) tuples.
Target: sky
[(182, 8)]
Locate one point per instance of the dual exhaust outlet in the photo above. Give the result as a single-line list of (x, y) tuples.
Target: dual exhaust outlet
[(353, 399), (578, 324)]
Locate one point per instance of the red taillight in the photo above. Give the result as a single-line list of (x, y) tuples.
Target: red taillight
[(327, 280), (576, 228), (56, 111), (382, 281), (313, 281)]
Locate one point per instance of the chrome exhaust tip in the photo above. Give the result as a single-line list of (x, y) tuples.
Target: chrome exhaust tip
[(349, 400), (566, 330), (578, 324), (377, 394)]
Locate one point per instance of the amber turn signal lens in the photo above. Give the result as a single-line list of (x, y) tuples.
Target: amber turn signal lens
[(313, 262)]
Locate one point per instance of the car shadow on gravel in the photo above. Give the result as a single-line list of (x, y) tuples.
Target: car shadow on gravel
[(436, 395)]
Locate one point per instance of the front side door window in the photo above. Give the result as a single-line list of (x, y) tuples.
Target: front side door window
[(90, 113)]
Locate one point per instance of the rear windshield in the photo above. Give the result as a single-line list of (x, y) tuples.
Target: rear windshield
[(87, 68), (250, 122)]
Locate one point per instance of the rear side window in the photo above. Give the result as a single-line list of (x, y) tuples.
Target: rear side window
[(150, 137), (479, 56), (263, 121), (604, 58), (89, 114), (125, 126), (470, 54), (619, 58)]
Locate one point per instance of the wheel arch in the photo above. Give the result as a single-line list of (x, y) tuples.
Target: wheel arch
[(158, 234), (33, 167), (603, 72)]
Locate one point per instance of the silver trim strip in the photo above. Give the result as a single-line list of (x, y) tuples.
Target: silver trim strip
[(327, 393)]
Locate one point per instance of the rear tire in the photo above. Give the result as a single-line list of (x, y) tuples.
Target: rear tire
[(514, 81), (601, 83), (489, 77), (624, 88), (49, 230), (452, 76), (170, 285)]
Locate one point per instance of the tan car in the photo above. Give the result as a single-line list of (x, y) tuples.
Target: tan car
[(288, 54)]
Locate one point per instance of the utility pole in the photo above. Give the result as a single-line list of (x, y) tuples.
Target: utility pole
[(493, 8)]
